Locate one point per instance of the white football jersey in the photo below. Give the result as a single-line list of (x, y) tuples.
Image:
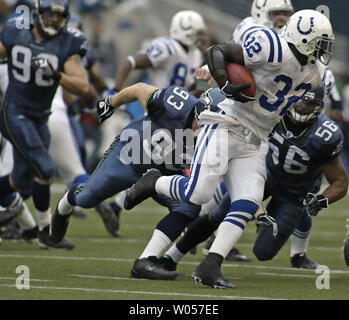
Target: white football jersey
[(280, 81), (172, 65), (245, 29)]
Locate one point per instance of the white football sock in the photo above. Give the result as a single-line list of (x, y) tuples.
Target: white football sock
[(174, 254), (120, 199), (227, 236), (64, 207), (25, 219), (162, 185), (298, 245), (157, 244), (43, 217)]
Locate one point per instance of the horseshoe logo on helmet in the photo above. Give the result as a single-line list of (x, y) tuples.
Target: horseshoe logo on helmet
[(310, 28), (263, 5), (183, 26)]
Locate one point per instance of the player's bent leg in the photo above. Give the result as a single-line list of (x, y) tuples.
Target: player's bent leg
[(167, 230), (287, 216)]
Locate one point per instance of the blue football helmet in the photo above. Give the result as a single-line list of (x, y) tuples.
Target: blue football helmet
[(307, 109), (51, 16)]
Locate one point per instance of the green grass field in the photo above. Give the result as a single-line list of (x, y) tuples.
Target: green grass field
[(99, 267)]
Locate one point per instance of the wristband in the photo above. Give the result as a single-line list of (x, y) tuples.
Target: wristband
[(132, 61)]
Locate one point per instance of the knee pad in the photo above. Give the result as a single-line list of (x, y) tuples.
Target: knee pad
[(266, 246), (305, 223)]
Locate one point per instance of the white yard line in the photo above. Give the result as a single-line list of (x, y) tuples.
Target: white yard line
[(91, 276), (171, 294), (286, 275), (31, 279)]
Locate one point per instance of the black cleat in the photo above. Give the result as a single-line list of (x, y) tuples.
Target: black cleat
[(8, 214), (46, 243), (58, 227), (142, 189), (236, 255), (146, 268), (110, 219), (30, 235), (300, 260), (166, 263), (208, 273)]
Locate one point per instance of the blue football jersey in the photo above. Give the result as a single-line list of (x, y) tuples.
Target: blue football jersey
[(160, 139), (29, 89), (294, 162)]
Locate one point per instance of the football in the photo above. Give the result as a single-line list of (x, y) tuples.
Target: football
[(239, 74)]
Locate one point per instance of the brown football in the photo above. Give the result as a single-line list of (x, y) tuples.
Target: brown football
[(239, 74)]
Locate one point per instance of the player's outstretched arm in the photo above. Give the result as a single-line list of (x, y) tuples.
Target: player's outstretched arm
[(74, 78), (139, 91), (337, 178)]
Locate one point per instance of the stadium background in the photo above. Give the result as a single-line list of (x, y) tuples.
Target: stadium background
[(99, 267)]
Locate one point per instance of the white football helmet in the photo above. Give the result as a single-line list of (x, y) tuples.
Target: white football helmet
[(311, 33), (188, 27), (261, 11)]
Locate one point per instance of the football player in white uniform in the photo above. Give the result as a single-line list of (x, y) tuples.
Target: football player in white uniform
[(284, 68)]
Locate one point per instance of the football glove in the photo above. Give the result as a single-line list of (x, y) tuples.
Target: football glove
[(46, 68), (266, 220), (314, 203), (104, 109), (233, 91)]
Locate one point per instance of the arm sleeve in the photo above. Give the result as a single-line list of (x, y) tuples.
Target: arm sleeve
[(262, 47), (79, 43), (328, 150)]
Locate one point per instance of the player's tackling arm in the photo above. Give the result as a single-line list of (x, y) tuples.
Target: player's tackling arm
[(74, 78), (337, 178), (139, 91)]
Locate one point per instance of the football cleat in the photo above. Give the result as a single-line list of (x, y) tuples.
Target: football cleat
[(236, 255), (166, 263), (142, 189), (208, 273), (9, 213), (346, 244), (30, 235), (58, 227), (110, 219), (300, 260), (46, 243), (146, 268)]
